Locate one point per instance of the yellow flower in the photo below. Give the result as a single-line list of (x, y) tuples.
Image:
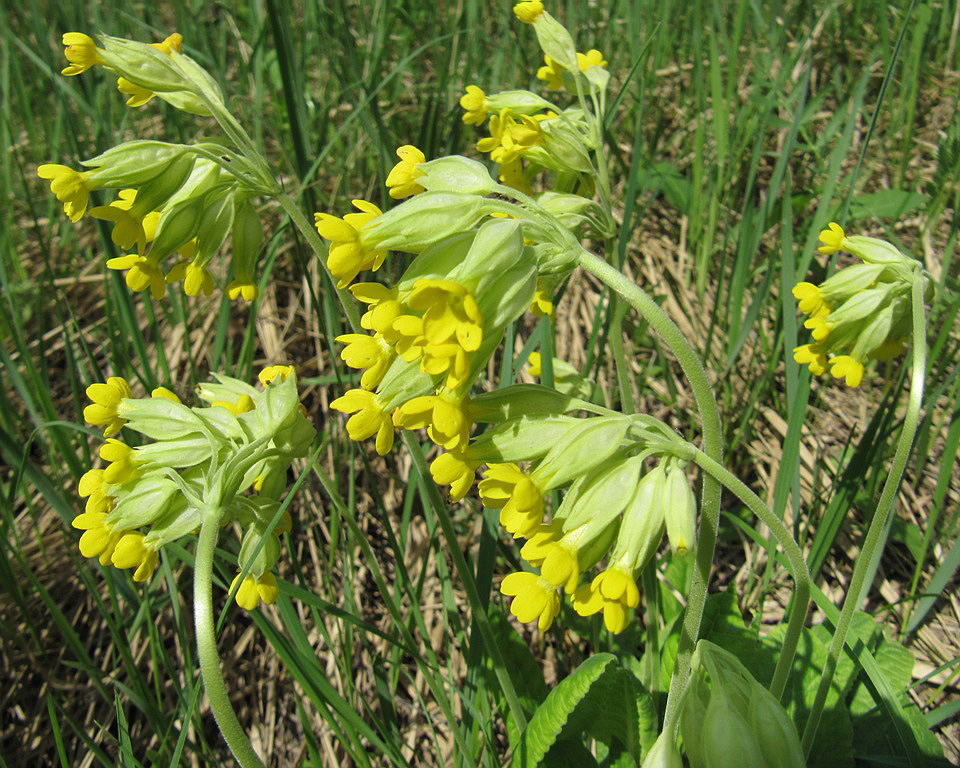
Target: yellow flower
[(122, 467), (133, 551), (520, 500), (71, 187), (528, 12), (383, 306), (169, 44), (513, 175), (812, 356), (592, 58), (402, 179), (810, 300), (166, 394), (446, 417), (127, 226), (456, 469), (552, 74), (272, 372), (614, 592), (98, 540), (542, 305), (195, 277), (348, 254), (243, 404), (450, 329), (509, 139), (550, 550), (369, 418), (81, 52), (534, 364), (141, 274), (533, 598), (832, 239), (848, 368), (93, 488), (252, 592), (242, 288), (106, 405), (369, 352), (474, 102)]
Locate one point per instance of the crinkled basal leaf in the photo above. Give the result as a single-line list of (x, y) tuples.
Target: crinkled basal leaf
[(599, 699)]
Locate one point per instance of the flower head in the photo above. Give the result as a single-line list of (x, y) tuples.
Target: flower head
[(552, 74), (252, 591), (142, 273), (812, 356), (348, 253), (81, 51), (832, 239), (446, 417), (456, 469), (134, 551), (369, 418), (371, 353), (847, 368), (612, 591), (98, 539), (71, 187), (474, 102), (528, 12), (516, 494), (592, 58), (533, 598), (121, 457), (402, 179), (128, 228), (106, 405)]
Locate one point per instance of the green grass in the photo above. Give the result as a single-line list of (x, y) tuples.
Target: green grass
[(744, 129)]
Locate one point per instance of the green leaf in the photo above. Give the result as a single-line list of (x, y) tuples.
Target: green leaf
[(601, 700), (886, 204)]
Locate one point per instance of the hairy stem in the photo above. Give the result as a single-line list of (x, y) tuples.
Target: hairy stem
[(712, 446), (798, 565), (210, 671), (887, 499)]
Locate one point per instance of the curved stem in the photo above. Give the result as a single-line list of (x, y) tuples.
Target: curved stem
[(888, 497), (313, 238), (712, 446), (210, 671), (798, 565)]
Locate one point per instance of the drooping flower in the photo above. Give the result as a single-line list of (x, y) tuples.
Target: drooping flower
[(275, 373), (612, 591), (133, 550), (251, 591), (533, 598), (371, 354), (369, 418), (446, 416), (195, 277), (542, 304), (122, 466), (81, 51), (127, 226), (847, 368), (402, 179), (556, 554), (516, 494), (592, 58), (528, 12), (474, 102), (812, 356), (552, 74), (456, 469), (139, 95), (71, 187), (348, 253), (246, 290), (98, 539), (142, 273), (106, 405)]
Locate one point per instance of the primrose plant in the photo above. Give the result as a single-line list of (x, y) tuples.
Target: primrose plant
[(590, 491)]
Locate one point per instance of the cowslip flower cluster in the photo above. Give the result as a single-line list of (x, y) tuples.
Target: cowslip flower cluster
[(863, 312), (173, 200), (484, 253), (201, 459), (729, 718)]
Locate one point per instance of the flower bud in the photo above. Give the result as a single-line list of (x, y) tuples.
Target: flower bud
[(423, 220), (774, 731), (602, 497), (161, 419), (587, 446), (664, 754), (143, 504), (518, 102), (518, 400), (524, 439), (726, 739), (456, 174), (135, 162), (555, 41), (679, 510)]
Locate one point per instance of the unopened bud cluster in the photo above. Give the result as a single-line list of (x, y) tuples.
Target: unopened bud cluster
[(200, 461), (729, 719)]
